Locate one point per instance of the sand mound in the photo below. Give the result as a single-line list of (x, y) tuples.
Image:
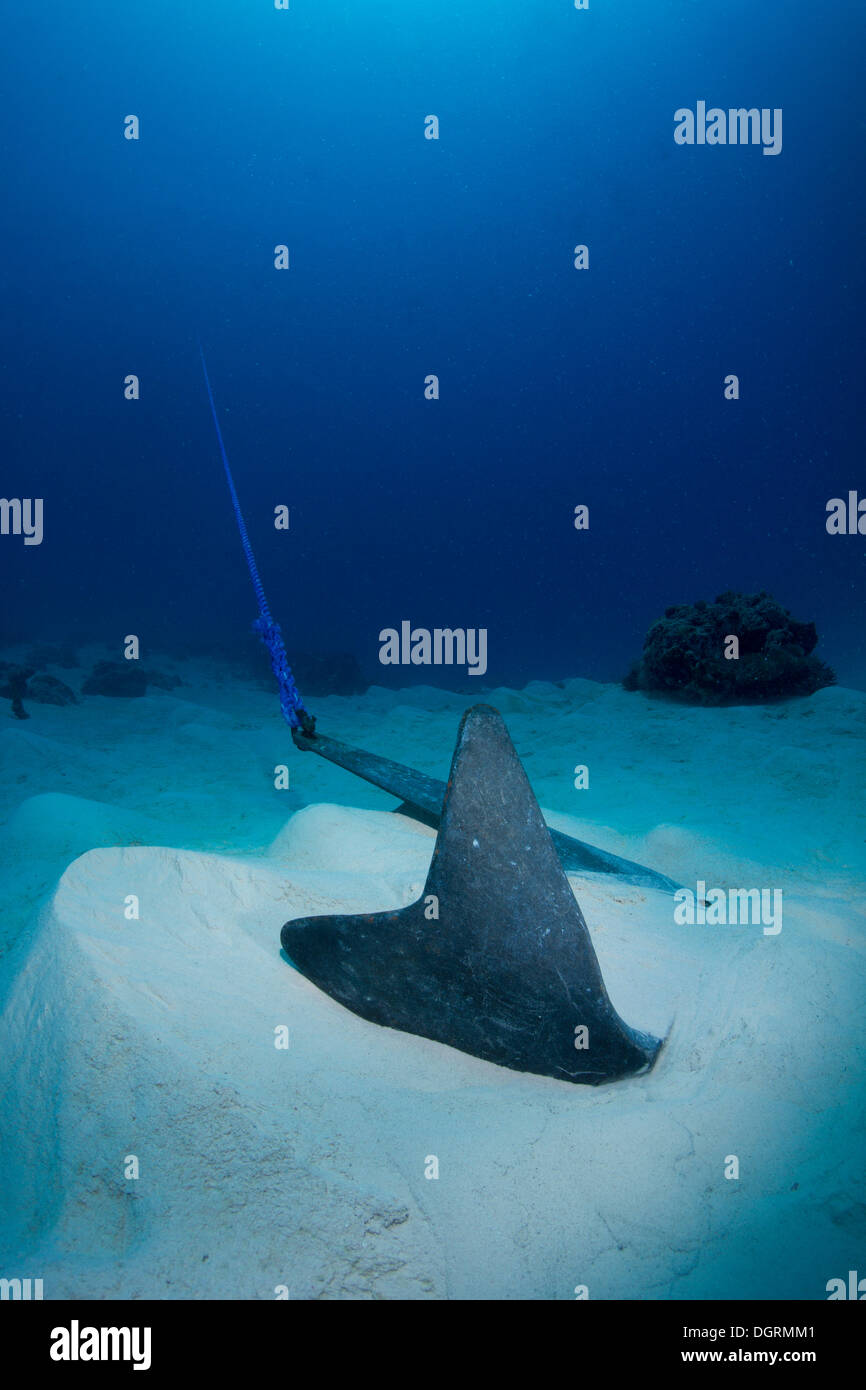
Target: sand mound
[(305, 1166)]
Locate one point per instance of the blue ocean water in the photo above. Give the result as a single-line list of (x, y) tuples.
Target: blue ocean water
[(408, 257)]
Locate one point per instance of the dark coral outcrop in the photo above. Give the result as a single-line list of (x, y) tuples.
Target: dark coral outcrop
[(126, 680), (48, 690), (684, 653), (13, 686), (122, 679)]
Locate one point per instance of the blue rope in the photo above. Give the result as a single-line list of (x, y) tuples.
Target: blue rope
[(290, 700)]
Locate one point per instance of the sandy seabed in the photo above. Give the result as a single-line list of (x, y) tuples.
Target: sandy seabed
[(302, 1168)]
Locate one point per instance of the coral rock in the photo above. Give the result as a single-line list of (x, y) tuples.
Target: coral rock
[(118, 678), (684, 653)]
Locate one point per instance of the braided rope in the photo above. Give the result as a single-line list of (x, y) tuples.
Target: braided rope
[(290, 700)]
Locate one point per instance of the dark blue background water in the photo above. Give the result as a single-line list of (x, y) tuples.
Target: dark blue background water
[(411, 257)]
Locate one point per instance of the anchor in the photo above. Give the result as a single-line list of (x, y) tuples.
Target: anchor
[(495, 957)]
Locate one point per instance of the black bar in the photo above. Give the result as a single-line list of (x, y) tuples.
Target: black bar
[(427, 794), (259, 1338)]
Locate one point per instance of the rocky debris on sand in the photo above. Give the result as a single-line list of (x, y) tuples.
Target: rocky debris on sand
[(48, 690), (13, 686), (124, 679), (684, 654)]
